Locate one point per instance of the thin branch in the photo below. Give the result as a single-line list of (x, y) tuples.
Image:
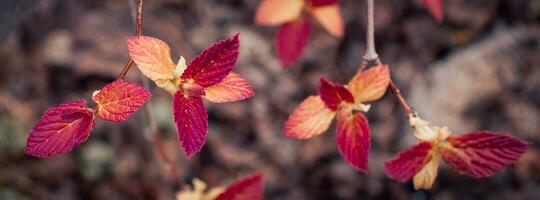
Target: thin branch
[(409, 111), (371, 53), (138, 32)]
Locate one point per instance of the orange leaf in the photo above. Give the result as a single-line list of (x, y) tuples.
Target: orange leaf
[(274, 12), (310, 118), (232, 88), (371, 84), (330, 18), (118, 100), (152, 57)]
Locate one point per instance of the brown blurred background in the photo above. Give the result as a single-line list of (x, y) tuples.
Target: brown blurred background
[(480, 69)]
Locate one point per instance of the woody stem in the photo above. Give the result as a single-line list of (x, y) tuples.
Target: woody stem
[(371, 53), (138, 32), (371, 58)]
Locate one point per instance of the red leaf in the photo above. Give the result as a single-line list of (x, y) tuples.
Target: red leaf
[(60, 129), (354, 139), (118, 100), (482, 153), (248, 188), (291, 39), (435, 7), (409, 162), (191, 121), (317, 3), (214, 64), (332, 94)]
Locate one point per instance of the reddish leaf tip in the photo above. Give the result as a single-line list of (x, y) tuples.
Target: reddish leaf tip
[(250, 187)]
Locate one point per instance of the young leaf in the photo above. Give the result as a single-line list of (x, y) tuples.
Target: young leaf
[(330, 18), (232, 88), (152, 57), (248, 188), (409, 162), (435, 7), (198, 192), (60, 129), (482, 153), (371, 84), (354, 139), (310, 118), (118, 100), (333, 94), (318, 3), (191, 121), (291, 39), (274, 12), (213, 64), (425, 178)]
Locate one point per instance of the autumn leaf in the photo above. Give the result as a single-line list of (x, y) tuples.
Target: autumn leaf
[(213, 64), (152, 57), (250, 187), (333, 94), (435, 7), (274, 12), (482, 153), (291, 39), (191, 121), (60, 129), (310, 118), (371, 84), (319, 3), (330, 18), (118, 100), (409, 162), (354, 139), (232, 88)]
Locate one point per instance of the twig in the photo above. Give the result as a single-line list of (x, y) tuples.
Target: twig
[(371, 53), (409, 111), (371, 58), (138, 32)]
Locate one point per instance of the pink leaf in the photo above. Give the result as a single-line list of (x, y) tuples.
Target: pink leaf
[(435, 7), (333, 94), (60, 129), (482, 153), (213, 64), (318, 3), (409, 162), (191, 121), (248, 188), (354, 139), (291, 39), (118, 100)]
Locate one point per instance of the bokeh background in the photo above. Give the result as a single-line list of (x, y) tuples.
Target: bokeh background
[(479, 69)]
